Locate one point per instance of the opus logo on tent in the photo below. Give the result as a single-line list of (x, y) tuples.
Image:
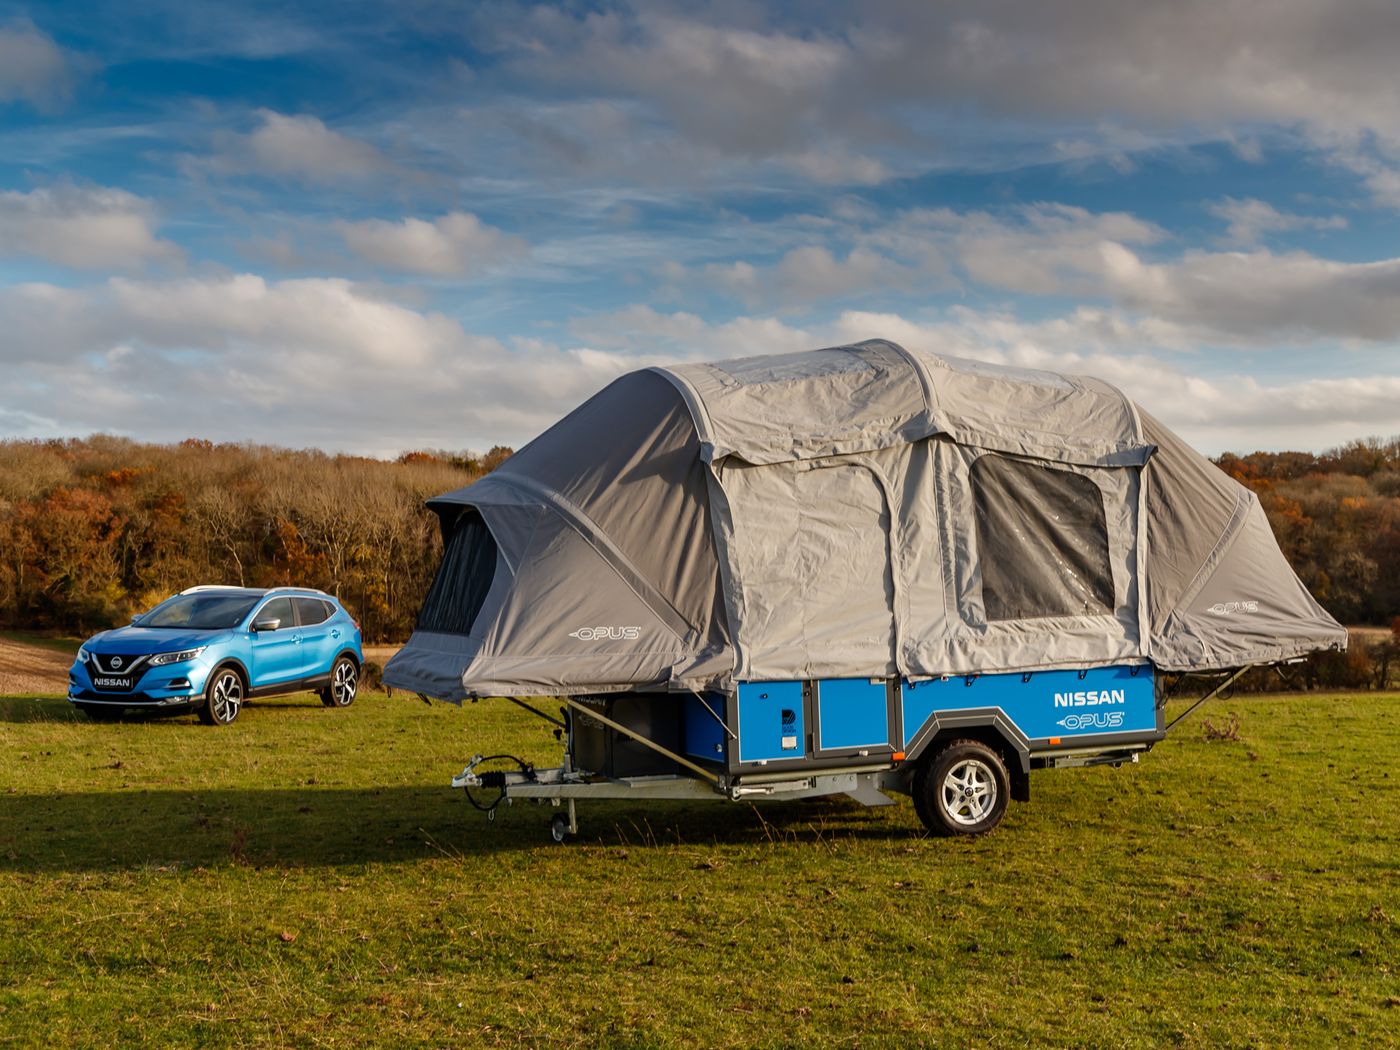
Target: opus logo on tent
[(1230, 608), (604, 634)]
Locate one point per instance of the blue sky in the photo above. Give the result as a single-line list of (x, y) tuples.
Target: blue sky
[(375, 227)]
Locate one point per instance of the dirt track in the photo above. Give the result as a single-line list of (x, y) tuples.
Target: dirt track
[(30, 670)]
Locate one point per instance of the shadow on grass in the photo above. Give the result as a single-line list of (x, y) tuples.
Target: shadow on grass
[(332, 827), (58, 709)]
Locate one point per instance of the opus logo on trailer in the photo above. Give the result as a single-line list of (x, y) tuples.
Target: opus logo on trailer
[(604, 634), (1096, 720)]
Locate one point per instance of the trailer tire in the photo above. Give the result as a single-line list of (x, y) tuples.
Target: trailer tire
[(559, 829), (961, 789)]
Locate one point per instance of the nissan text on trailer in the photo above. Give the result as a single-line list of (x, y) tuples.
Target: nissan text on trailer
[(853, 570)]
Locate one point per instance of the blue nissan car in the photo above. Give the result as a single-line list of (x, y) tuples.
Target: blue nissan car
[(212, 648)]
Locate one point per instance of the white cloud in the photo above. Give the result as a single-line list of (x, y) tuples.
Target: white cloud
[(32, 67), (1227, 298), (452, 244), (746, 91), (85, 227), (1218, 412), (1037, 249), (315, 361), (301, 147), (895, 85), (806, 276), (645, 334), (1260, 297), (331, 363), (1250, 220)]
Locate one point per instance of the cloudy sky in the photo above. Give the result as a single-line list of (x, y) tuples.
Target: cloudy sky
[(375, 227)]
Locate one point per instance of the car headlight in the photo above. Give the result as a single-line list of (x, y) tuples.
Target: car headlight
[(176, 658), (83, 655)]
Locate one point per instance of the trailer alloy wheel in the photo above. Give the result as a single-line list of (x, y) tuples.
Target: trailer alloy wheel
[(961, 789)]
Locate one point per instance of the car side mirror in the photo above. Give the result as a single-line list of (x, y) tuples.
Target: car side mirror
[(271, 623)]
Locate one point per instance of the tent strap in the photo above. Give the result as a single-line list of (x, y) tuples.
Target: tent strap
[(536, 711), (644, 741), (1213, 693)]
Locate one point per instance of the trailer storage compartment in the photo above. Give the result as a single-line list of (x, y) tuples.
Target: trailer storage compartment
[(600, 748), (772, 722)]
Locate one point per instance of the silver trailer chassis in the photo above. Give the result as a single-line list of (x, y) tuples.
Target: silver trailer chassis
[(562, 785)]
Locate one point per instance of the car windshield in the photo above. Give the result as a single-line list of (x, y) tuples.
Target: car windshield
[(201, 612)]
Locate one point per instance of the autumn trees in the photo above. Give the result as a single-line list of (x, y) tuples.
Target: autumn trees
[(1337, 518), (93, 531)]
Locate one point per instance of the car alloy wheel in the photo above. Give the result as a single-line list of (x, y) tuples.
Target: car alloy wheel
[(224, 698), (345, 679)]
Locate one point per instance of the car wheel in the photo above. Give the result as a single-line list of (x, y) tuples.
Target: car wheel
[(101, 712), (345, 679), (962, 789), (223, 697)]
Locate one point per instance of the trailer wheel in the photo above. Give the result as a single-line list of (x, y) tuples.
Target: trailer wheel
[(559, 828), (961, 789)]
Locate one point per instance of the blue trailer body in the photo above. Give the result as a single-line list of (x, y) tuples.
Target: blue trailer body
[(1042, 705), (833, 721)]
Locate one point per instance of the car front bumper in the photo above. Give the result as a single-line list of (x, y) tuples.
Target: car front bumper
[(166, 687)]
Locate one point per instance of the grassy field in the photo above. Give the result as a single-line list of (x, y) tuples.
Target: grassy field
[(304, 877)]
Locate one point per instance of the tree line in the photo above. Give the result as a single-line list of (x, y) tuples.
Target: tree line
[(94, 530), (1337, 519)]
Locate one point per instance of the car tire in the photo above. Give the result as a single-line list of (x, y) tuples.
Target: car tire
[(223, 697), (962, 789), (101, 712), (345, 681)]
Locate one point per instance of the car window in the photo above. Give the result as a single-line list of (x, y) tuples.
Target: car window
[(311, 611), (277, 609), (200, 612)]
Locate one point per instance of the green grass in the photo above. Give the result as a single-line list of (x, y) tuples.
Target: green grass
[(304, 877)]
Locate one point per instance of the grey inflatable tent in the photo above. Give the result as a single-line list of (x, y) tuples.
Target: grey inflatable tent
[(857, 511)]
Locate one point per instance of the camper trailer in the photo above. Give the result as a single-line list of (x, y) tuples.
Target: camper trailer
[(854, 570)]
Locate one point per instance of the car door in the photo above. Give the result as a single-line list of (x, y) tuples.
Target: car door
[(320, 635), (276, 653)]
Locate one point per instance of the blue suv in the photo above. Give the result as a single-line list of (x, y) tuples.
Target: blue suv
[(212, 648)]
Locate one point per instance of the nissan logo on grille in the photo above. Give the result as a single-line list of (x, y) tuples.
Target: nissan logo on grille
[(117, 663)]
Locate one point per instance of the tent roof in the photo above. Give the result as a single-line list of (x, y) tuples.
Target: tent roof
[(877, 394)]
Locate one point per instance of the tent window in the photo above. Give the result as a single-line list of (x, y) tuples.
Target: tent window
[(1043, 541), (459, 589)]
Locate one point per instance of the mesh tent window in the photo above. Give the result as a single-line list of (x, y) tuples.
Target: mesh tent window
[(463, 578), (1042, 536)]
